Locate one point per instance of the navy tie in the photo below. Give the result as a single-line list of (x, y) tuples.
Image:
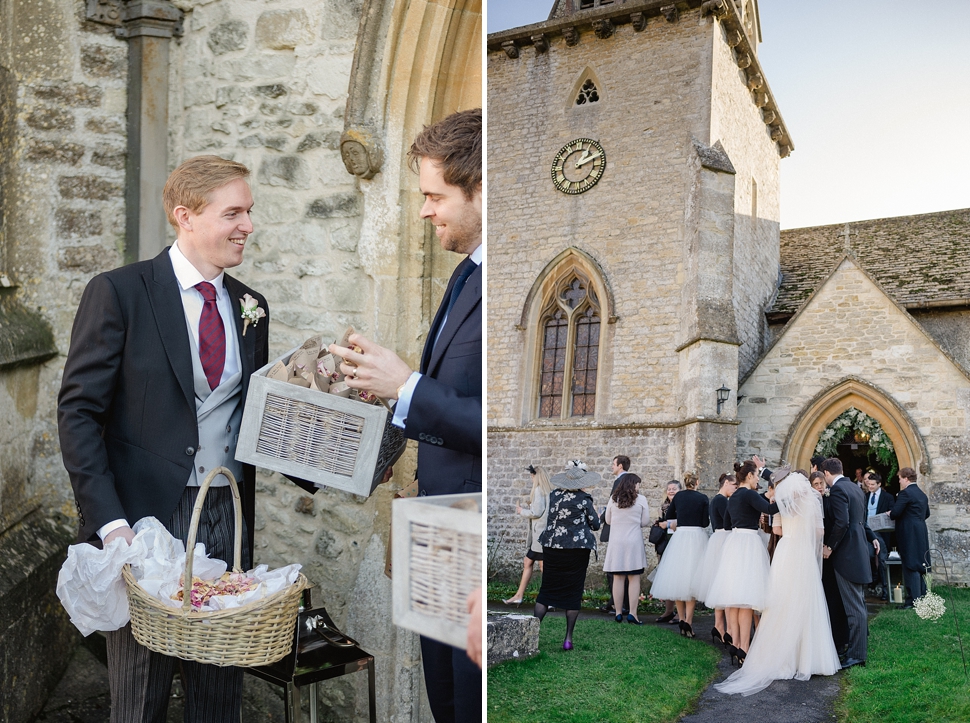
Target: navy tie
[(469, 267), (465, 269)]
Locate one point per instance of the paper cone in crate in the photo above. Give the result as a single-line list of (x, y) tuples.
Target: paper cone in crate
[(437, 562), (324, 438)]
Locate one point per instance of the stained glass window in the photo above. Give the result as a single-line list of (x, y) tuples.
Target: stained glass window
[(570, 351)]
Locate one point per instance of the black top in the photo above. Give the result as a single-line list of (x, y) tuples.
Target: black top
[(720, 517), (690, 509), (746, 507)]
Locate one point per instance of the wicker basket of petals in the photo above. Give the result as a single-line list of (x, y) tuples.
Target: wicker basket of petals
[(258, 633)]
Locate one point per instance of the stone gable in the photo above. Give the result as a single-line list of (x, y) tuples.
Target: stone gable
[(851, 328)]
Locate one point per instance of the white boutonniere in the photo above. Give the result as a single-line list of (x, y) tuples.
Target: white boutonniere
[(251, 312)]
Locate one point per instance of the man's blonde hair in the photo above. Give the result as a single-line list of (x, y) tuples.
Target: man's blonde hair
[(191, 183)]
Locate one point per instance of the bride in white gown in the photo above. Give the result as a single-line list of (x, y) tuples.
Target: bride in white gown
[(794, 638)]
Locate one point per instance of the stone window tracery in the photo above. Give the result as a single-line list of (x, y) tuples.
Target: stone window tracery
[(588, 93), (569, 356)]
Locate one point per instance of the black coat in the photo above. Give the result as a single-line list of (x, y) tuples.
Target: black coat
[(845, 531), (690, 509), (445, 415), (126, 410), (910, 512)]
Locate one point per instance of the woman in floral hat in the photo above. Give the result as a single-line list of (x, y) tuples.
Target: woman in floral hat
[(566, 543)]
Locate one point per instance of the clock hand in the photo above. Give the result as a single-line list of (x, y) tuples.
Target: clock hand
[(587, 159)]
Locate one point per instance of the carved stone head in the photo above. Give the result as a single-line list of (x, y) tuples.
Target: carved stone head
[(361, 156)]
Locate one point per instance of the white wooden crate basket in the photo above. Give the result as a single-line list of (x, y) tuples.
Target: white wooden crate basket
[(328, 440), (436, 556)]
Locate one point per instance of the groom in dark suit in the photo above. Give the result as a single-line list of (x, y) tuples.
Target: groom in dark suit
[(910, 512), (151, 400), (441, 405), (845, 544)]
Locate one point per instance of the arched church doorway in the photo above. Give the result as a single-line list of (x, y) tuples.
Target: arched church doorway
[(862, 445), (879, 413)]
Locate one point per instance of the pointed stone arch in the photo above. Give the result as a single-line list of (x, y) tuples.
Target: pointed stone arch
[(573, 270), (586, 91), (854, 392)]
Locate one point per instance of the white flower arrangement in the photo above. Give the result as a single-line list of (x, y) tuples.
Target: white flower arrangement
[(930, 607), (251, 311), (854, 420)]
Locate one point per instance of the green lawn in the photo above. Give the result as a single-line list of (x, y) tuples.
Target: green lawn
[(915, 671), (615, 674)]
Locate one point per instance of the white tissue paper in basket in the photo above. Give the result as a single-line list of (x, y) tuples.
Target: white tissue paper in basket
[(91, 589)]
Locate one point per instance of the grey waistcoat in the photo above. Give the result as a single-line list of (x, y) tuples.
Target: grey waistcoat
[(219, 412)]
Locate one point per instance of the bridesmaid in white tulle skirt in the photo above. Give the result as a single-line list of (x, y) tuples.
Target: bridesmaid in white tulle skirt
[(794, 639)]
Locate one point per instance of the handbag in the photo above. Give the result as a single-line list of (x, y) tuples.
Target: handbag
[(657, 533)]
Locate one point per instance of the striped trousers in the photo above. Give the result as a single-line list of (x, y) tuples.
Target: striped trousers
[(141, 680)]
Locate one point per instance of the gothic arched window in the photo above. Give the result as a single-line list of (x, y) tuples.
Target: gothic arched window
[(569, 349)]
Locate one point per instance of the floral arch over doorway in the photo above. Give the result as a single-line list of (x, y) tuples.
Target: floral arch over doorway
[(874, 403)]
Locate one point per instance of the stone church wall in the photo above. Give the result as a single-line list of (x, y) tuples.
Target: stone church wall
[(737, 122), (852, 328), (64, 207)]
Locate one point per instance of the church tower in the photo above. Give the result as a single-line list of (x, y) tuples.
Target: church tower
[(633, 232)]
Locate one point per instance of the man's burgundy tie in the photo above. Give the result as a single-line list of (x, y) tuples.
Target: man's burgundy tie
[(212, 336)]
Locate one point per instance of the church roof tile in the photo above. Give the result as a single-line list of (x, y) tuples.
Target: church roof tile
[(920, 260)]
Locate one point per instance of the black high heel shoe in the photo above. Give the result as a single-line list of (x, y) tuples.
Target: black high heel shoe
[(728, 640), (734, 654), (716, 636), (741, 656), (686, 630)]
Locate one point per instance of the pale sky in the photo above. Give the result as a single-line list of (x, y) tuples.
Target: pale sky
[(876, 97)]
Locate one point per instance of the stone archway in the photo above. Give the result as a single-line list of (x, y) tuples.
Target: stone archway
[(852, 392)]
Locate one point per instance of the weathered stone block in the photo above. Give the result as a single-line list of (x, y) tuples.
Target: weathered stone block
[(73, 94), (283, 29), (86, 259), (90, 187), (49, 119), (271, 91), (75, 223), (288, 171), (110, 158), (36, 636), (54, 152), (313, 140), (101, 61), (104, 126), (339, 204), (511, 637), (229, 36)]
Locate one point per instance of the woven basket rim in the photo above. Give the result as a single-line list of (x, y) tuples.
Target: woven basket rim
[(135, 588)]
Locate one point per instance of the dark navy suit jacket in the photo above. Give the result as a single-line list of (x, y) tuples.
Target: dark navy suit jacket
[(445, 415), (126, 409)]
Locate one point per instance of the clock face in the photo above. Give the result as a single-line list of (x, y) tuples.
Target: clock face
[(578, 166)]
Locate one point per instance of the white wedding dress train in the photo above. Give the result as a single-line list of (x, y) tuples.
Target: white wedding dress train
[(794, 638)]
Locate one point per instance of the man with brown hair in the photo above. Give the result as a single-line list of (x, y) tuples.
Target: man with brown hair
[(441, 405), (151, 400), (910, 511)]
